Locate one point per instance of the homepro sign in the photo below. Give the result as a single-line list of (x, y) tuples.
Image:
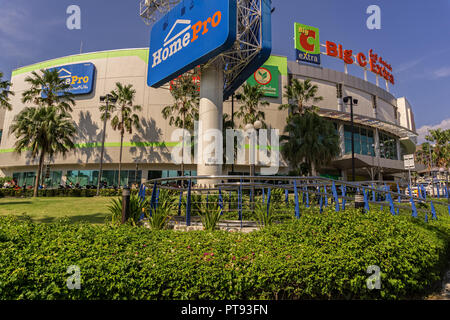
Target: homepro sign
[(190, 34)]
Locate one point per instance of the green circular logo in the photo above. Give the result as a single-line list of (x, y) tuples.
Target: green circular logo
[(263, 76)]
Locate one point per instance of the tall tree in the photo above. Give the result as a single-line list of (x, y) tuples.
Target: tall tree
[(300, 94), (310, 139), (124, 118), (44, 131), (425, 155), (251, 99), (5, 85), (48, 89), (184, 111), (441, 150)]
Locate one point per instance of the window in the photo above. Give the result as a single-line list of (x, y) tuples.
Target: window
[(388, 147), (364, 141), (90, 177)]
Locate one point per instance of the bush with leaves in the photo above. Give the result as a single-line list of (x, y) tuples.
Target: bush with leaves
[(136, 210), (159, 214), (319, 256), (210, 216), (265, 218)]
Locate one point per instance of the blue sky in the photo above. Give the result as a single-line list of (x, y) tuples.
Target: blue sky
[(414, 38)]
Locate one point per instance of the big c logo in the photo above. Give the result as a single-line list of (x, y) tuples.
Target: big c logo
[(307, 43)]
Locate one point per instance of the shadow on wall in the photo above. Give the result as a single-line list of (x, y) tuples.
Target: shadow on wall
[(149, 132), (87, 133)]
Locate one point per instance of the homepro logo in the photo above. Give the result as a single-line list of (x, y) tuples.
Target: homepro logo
[(189, 33)]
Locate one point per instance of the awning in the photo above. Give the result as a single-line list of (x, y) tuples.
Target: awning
[(368, 121)]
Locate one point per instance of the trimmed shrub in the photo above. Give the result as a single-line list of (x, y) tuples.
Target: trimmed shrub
[(319, 256)]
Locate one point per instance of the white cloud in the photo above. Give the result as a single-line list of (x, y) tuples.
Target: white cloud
[(423, 131), (443, 72)]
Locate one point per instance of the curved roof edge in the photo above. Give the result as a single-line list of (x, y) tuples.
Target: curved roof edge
[(139, 52)]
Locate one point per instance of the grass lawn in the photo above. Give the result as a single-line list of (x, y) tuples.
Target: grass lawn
[(48, 210)]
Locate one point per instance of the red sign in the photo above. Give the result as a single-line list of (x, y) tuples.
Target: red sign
[(376, 63)]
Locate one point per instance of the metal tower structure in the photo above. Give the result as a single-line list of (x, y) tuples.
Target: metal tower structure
[(248, 45), (153, 10), (249, 38)]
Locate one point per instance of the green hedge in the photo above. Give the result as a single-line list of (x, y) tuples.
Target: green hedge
[(60, 193), (320, 256)]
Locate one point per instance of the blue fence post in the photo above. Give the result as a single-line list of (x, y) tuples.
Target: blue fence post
[(157, 198), (391, 204), (326, 195), (297, 206), (321, 202), (438, 191), (268, 201), (336, 197), (343, 190), (307, 197), (179, 203), (263, 196), (413, 207), (188, 205), (424, 192), (433, 211), (286, 196), (240, 202), (366, 200), (220, 201), (142, 199), (207, 199), (153, 199)]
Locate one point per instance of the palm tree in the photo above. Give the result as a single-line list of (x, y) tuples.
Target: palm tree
[(43, 131), (48, 89), (5, 93), (124, 120), (441, 150), (425, 155), (300, 93), (251, 100), (311, 139), (184, 111)]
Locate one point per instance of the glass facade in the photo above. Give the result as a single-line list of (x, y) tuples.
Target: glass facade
[(364, 140), (388, 147), (90, 177), (24, 178)]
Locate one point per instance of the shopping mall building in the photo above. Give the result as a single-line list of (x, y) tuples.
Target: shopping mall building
[(385, 129)]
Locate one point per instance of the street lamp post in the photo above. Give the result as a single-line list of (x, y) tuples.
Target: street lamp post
[(255, 126), (352, 102), (109, 99)]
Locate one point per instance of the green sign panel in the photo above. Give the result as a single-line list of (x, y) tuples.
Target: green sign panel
[(307, 43), (268, 77)]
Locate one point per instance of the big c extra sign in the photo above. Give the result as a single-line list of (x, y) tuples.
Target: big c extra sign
[(307, 43), (80, 77), (189, 35)]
